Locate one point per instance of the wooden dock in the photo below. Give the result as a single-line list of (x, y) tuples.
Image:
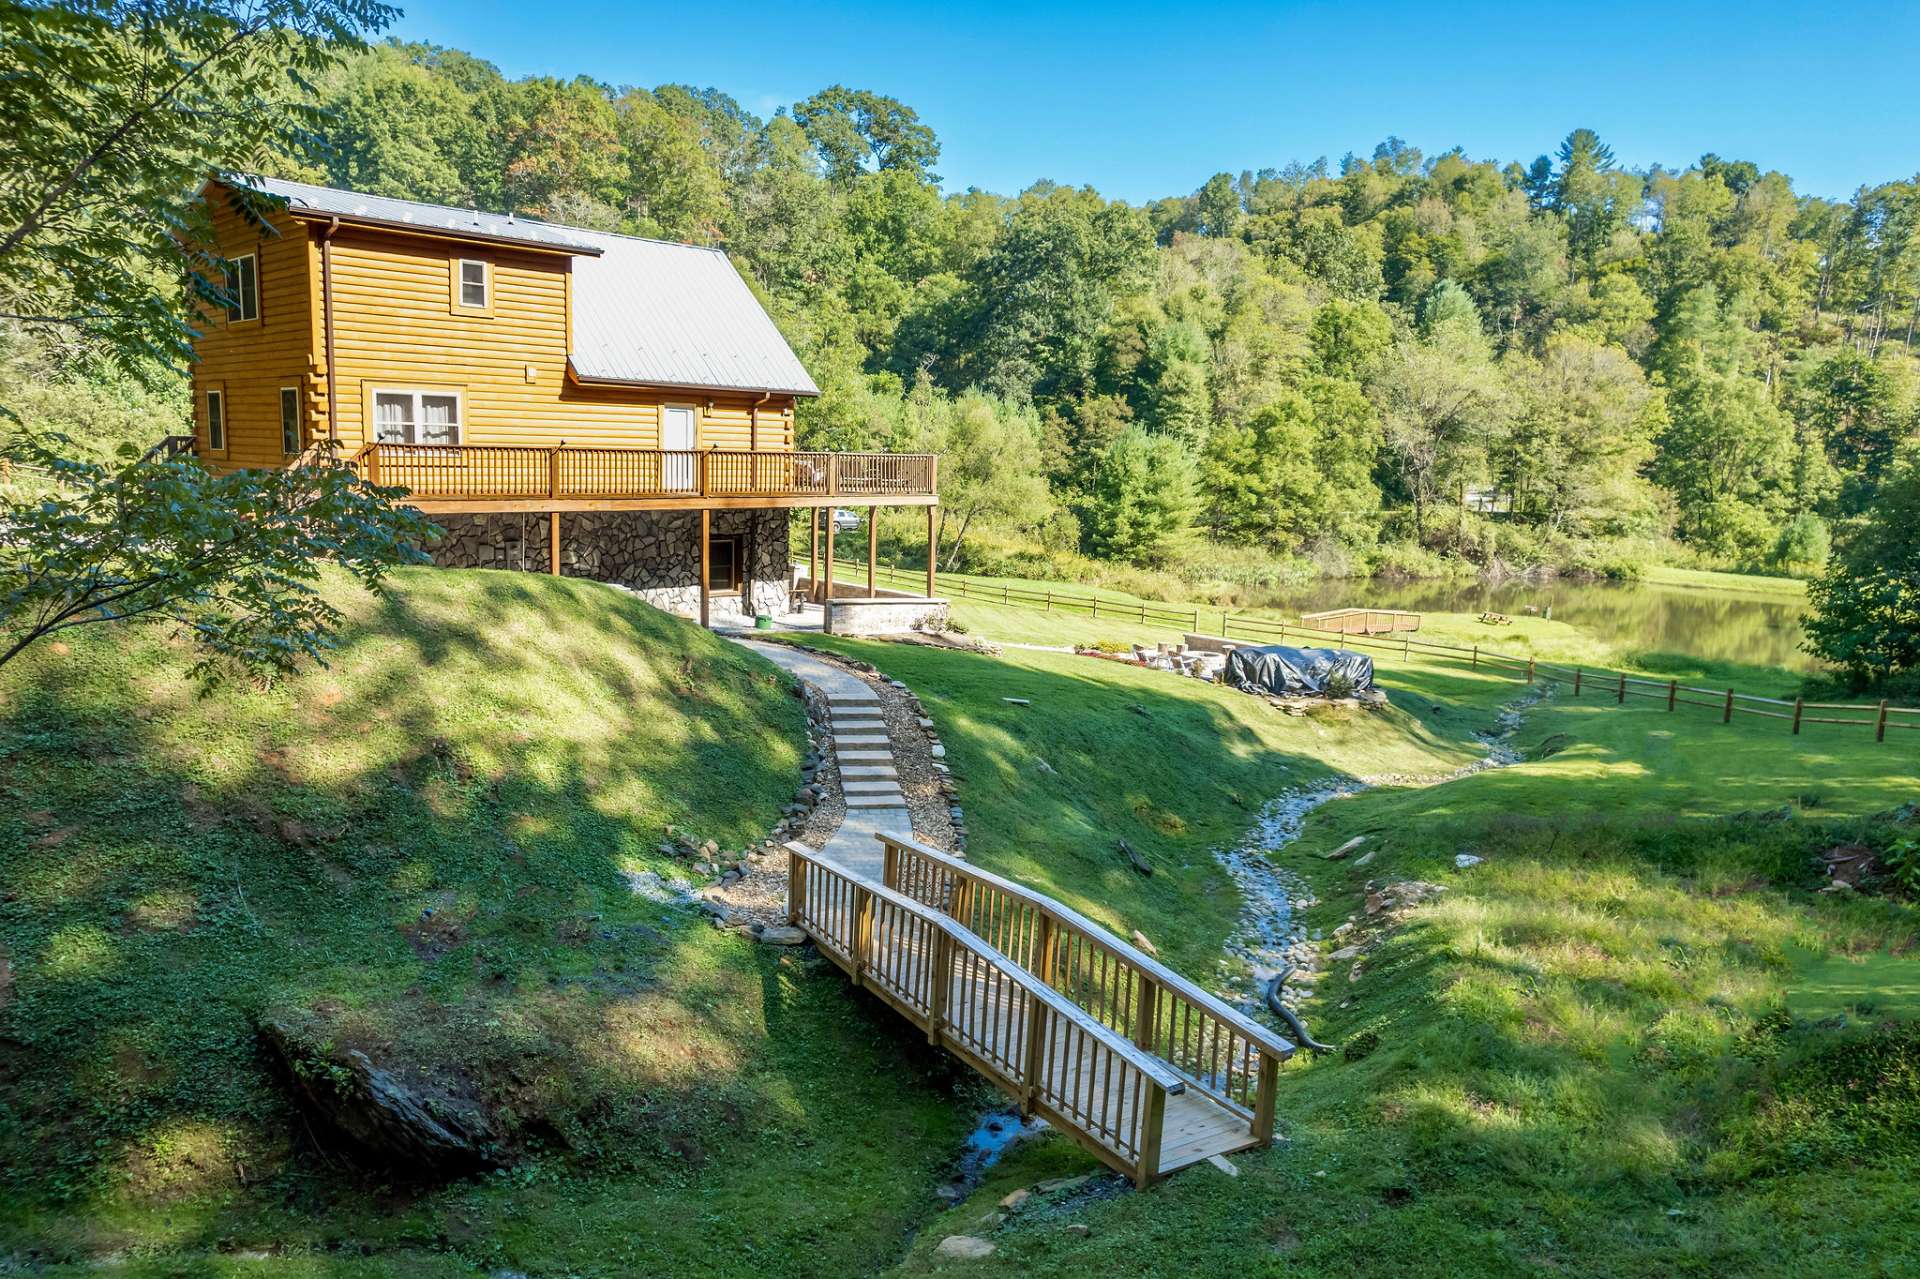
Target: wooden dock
[(1140, 1066)]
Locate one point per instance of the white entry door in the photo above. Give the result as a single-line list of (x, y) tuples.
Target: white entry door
[(676, 437)]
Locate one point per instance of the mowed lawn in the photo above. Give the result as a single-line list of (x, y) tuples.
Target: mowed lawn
[(422, 847), (1635, 1039)]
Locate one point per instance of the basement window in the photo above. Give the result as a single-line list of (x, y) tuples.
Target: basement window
[(243, 289), (416, 417), (723, 564)]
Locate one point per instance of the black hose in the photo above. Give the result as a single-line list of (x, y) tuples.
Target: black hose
[(1292, 1019)]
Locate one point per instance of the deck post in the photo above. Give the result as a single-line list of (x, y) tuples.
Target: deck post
[(827, 564), (553, 542), (931, 548), (706, 552), (813, 552), (1263, 1104), (1151, 1124), (873, 546)]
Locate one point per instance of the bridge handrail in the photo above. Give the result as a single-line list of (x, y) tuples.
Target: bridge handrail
[(1146, 963), (1148, 1065)]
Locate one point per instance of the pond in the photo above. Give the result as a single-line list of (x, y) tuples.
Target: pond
[(1637, 617)]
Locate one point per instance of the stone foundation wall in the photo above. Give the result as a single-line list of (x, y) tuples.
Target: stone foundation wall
[(884, 616), (654, 553)]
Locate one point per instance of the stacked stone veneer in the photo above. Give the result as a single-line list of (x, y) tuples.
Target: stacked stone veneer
[(656, 553)]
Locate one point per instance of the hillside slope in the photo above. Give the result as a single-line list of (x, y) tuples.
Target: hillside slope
[(418, 852)]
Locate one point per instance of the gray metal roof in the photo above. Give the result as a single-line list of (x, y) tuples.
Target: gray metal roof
[(644, 311), (436, 218), (675, 315)]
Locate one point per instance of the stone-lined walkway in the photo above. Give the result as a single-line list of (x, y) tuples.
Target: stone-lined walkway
[(868, 779)]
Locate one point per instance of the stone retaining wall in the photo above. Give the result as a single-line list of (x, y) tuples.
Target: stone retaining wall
[(655, 553)]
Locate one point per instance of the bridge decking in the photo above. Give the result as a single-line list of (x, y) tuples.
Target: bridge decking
[(1140, 1066)]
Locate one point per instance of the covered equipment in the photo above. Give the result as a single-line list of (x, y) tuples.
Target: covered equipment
[(1280, 668)]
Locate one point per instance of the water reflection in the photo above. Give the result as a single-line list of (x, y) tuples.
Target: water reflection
[(1636, 617)]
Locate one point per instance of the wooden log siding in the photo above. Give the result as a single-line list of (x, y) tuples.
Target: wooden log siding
[(986, 1008), (251, 360)]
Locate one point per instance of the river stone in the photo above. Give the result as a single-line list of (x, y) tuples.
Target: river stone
[(965, 1248), (1014, 1200), (782, 935)]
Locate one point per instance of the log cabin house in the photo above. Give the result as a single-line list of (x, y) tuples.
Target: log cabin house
[(555, 398)]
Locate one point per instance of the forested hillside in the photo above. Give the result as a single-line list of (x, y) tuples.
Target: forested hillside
[(1393, 362)]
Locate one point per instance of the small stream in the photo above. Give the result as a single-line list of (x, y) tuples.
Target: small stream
[(1269, 936)]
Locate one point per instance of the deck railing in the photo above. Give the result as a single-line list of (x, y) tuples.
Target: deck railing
[(506, 472), (1217, 1050), (991, 1010)]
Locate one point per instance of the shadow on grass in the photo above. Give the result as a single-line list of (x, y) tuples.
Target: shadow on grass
[(426, 844)]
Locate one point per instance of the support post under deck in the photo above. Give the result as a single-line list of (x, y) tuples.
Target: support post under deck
[(706, 564)]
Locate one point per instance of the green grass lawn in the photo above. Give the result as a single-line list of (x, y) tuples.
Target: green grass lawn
[(495, 749), (1635, 1040)]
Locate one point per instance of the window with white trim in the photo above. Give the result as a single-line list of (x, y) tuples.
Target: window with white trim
[(416, 417), (289, 420), (243, 288), (216, 420), (473, 283)]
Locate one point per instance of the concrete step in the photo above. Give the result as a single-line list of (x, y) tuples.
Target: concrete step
[(870, 786), (859, 741), (862, 772), (875, 801), (861, 724), (866, 696), (863, 757)]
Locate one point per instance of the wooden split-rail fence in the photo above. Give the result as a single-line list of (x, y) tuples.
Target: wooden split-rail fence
[(1606, 684), (1133, 1061), (1388, 631)]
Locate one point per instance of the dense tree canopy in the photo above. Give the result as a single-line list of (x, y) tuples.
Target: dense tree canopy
[(1567, 361)]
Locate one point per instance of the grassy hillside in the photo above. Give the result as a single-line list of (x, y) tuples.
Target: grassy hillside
[(421, 849), (1636, 1040)]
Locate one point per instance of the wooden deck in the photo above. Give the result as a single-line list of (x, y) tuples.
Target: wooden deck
[(1133, 1061), (483, 478)]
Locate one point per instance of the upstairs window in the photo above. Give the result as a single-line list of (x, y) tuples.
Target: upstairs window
[(216, 421), (473, 283), (289, 420), (243, 288), (416, 417)]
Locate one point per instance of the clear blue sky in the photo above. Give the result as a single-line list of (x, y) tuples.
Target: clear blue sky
[(1149, 100)]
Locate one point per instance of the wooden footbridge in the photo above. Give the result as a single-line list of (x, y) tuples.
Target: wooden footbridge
[(1136, 1063)]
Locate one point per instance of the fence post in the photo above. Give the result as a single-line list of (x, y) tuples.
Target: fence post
[(1880, 732), (796, 889), (1726, 716), (1096, 605), (1577, 672), (1143, 614), (1476, 657), (1623, 688), (1530, 671), (1152, 1126), (1797, 704), (1049, 599), (1673, 692), (1406, 647), (1223, 623)]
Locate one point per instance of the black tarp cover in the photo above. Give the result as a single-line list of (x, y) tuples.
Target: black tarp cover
[(1280, 668)]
